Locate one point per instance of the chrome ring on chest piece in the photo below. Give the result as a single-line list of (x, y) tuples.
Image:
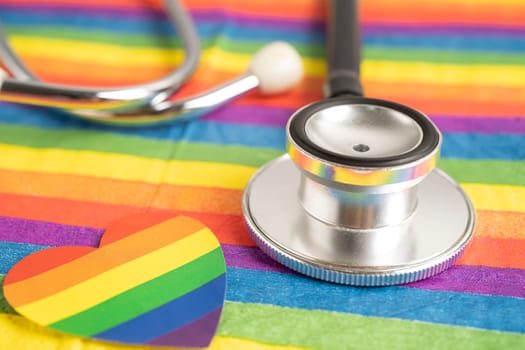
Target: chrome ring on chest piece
[(361, 160), (358, 199)]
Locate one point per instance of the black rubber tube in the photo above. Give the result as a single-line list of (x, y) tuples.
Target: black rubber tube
[(343, 49)]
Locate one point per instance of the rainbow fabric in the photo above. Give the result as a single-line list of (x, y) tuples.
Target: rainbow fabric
[(63, 180)]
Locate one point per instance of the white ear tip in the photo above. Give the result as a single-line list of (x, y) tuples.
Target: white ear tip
[(3, 76), (278, 67)]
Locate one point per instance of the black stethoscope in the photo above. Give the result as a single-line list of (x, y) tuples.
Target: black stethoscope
[(358, 199)]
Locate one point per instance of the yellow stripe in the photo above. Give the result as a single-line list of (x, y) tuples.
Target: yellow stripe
[(235, 63), (125, 167), (444, 74), (19, 333), (115, 281), (193, 173), (68, 50), (496, 197), (231, 343)]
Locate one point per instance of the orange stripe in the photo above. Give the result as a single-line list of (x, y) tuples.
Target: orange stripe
[(75, 73), (129, 225), (500, 224), (502, 253), (130, 193), (438, 99), (434, 106), (433, 12), (493, 229), (219, 204), (432, 99), (43, 262), (229, 229), (207, 78), (93, 263), (489, 101)]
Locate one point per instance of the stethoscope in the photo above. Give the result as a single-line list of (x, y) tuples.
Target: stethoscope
[(275, 68), (358, 199)]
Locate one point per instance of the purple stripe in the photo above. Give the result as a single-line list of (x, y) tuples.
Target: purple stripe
[(470, 279), (477, 279), (199, 333), (220, 15), (45, 233), (278, 117), (446, 29), (253, 115), (120, 12), (251, 258), (481, 125)]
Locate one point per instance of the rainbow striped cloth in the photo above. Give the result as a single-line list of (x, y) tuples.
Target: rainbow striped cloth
[(63, 180)]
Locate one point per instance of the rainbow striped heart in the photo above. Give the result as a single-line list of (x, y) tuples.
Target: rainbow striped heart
[(154, 280)]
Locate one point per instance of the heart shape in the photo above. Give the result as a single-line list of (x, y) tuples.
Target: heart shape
[(155, 279)]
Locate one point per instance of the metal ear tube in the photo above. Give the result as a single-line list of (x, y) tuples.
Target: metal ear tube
[(358, 199)]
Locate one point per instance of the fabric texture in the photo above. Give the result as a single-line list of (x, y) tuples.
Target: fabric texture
[(63, 179)]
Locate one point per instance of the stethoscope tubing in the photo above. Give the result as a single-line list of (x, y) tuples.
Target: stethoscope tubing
[(343, 49), (25, 87)]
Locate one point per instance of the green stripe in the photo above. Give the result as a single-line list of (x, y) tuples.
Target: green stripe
[(470, 57), (145, 297), (249, 47), (136, 40), (330, 330), (485, 171), (71, 139), (462, 170)]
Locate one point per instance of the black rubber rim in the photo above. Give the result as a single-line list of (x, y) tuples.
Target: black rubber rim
[(297, 131)]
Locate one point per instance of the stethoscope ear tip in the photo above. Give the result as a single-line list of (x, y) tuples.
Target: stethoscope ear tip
[(3, 76), (278, 66)]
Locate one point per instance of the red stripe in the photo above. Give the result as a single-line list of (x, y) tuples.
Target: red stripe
[(410, 12)]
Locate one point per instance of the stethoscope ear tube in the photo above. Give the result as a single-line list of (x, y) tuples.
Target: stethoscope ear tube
[(343, 49)]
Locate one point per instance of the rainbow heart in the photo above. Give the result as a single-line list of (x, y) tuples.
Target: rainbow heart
[(154, 280)]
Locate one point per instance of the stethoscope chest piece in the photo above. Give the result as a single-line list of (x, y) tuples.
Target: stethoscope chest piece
[(357, 200)]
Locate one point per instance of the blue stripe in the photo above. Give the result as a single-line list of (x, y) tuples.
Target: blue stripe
[(11, 253), (460, 309), (170, 316), (196, 131), (77, 20), (154, 24), (455, 145), (291, 290), (455, 42), (483, 146)]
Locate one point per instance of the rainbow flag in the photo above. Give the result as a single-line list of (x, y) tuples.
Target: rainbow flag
[(63, 180)]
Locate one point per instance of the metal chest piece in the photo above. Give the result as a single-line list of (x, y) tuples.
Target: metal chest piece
[(357, 200)]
